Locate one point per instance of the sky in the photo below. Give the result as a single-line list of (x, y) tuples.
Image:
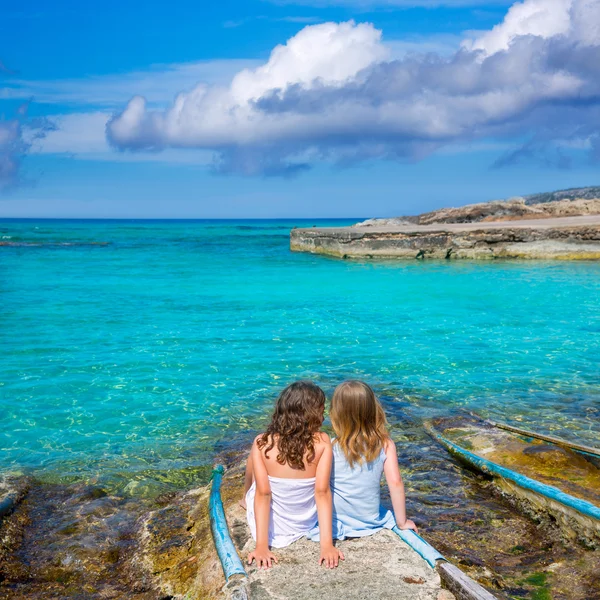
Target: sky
[(293, 108)]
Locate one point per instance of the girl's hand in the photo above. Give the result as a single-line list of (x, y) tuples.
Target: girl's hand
[(408, 524), (264, 558), (330, 556)]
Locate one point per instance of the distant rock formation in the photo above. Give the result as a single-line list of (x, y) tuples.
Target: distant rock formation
[(563, 203), (565, 238), (583, 193), (561, 225)]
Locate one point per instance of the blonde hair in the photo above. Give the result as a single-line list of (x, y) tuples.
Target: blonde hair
[(359, 422)]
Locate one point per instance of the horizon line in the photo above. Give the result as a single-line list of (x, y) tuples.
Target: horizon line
[(179, 218)]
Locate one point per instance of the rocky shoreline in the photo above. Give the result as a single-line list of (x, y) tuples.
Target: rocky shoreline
[(81, 541), (562, 238)]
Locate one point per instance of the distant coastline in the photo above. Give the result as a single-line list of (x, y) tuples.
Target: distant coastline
[(562, 225)]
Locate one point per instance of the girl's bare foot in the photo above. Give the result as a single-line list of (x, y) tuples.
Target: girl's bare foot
[(242, 503)]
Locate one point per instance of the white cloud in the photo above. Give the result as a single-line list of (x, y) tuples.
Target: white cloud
[(334, 93), (75, 133), (326, 54), (319, 55), (301, 20), (83, 136), (540, 18)]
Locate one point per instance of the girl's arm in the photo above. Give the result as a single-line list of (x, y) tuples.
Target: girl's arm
[(330, 555), (396, 487), (262, 511), (248, 480)]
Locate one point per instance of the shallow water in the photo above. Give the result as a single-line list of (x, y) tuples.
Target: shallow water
[(133, 351)]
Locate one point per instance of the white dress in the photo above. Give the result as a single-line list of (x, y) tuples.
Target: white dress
[(293, 510)]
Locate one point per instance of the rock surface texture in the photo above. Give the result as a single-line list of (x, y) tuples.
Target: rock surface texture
[(380, 567), (76, 542), (559, 238), (80, 542), (564, 203)]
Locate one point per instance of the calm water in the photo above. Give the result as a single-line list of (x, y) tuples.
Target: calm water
[(136, 349)]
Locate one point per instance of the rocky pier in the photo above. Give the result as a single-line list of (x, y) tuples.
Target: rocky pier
[(560, 238)]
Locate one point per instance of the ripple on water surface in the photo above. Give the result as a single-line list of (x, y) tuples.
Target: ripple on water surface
[(134, 348)]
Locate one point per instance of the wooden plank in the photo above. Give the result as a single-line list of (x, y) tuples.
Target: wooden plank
[(460, 584), (540, 436)]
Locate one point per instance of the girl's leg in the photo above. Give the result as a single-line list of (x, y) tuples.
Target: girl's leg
[(248, 480)]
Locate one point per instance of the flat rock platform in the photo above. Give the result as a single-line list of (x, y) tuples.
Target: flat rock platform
[(380, 567), (561, 238)]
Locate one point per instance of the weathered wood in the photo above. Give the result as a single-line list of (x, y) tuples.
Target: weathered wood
[(546, 438), (577, 518), (460, 584)]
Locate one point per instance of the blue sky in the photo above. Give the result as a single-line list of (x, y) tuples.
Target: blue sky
[(358, 115)]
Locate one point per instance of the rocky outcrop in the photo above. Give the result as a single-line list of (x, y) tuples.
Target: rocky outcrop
[(81, 541), (569, 238), (380, 566), (565, 203), (581, 193), (511, 210)]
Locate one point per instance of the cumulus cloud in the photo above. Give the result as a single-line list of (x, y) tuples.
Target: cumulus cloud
[(333, 93), (82, 136), (539, 18)]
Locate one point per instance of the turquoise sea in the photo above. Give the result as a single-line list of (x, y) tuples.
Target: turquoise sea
[(131, 349)]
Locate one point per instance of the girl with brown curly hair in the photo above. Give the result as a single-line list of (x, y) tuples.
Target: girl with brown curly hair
[(287, 477), (362, 453)]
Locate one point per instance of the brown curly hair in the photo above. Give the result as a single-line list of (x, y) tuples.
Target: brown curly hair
[(297, 418)]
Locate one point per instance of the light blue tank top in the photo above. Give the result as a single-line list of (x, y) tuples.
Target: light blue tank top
[(356, 491)]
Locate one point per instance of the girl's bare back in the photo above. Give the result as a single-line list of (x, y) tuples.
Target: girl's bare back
[(285, 471)]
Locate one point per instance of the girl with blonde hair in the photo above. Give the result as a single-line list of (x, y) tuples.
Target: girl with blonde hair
[(362, 452)]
